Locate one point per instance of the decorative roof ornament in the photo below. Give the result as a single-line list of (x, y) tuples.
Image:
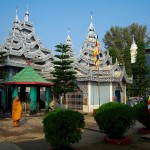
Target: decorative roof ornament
[(16, 18), (69, 42), (133, 51), (26, 18), (91, 36), (133, 46), (28, 63), (91, 27)]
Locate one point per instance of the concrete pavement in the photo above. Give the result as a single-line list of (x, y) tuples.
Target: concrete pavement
[(29, 135), (6, 145)]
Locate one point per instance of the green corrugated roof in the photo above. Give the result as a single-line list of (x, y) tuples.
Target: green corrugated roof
[(148, 47), (28, 76)]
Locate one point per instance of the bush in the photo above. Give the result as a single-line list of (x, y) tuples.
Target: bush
[(114, 119), (141, 114), (62, 127)]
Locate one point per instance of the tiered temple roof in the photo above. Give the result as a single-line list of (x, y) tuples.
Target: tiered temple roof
[(22, 45), (106, 71)]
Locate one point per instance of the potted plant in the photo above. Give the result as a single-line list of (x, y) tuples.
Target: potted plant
[(141, 114), (114, 119), (62, 128)]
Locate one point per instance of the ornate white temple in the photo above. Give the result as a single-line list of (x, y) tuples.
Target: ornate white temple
[(22, 45), (96, 85)]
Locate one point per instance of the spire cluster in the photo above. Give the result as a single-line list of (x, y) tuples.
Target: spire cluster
[(16, 18), (26, 18)]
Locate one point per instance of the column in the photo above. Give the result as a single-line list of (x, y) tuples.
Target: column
[(33, 100), (14, 92), (47, 98), (4, 102), (111, 92), (89, 102)]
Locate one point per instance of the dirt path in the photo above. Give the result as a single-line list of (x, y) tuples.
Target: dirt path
[(29, 135)]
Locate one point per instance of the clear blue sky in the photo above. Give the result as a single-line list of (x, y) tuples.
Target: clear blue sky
[(52, 18)]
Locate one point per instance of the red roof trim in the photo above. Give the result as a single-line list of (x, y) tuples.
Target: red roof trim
[(29, 83)]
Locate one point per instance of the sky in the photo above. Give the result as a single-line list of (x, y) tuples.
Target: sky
[(53, 18)]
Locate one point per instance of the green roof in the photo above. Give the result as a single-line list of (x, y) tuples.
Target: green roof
[(148, 47), (28, 76)]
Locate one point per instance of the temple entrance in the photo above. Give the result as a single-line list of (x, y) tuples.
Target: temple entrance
[(117, 94), (75, 100)]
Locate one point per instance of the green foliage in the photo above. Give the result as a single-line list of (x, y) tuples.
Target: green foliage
[(64, 74), (62, 127), (128, 67), (114, 118), (113, 53), (129, 89), (140, 70), (127, 60), (141, 113), (118, 41), (119, 38)]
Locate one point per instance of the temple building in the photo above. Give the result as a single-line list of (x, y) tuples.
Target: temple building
[(97, 83), (20, 47)]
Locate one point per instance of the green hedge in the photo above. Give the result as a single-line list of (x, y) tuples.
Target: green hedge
[(62, 127), (141, 114), (114, 118)]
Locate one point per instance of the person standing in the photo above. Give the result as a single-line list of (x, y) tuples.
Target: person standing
[(16, 111)]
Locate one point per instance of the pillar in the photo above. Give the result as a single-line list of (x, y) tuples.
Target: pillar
[(14, 92), (47, 98), (33, 100), (4, 102), (111, 92)]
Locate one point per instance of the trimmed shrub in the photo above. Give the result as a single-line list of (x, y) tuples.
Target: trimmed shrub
[(114, 119), (141, 114), (62, 127)]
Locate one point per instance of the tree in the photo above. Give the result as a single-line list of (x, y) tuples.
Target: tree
[(113, 42), (118, 41), (127, 61), (118, 38), (128, 67), (140, 70), (64, 75), (113, 53)]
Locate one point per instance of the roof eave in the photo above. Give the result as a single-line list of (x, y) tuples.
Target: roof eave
[(29, 83)]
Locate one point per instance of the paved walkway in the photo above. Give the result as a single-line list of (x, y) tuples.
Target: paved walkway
[(29, 136)]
